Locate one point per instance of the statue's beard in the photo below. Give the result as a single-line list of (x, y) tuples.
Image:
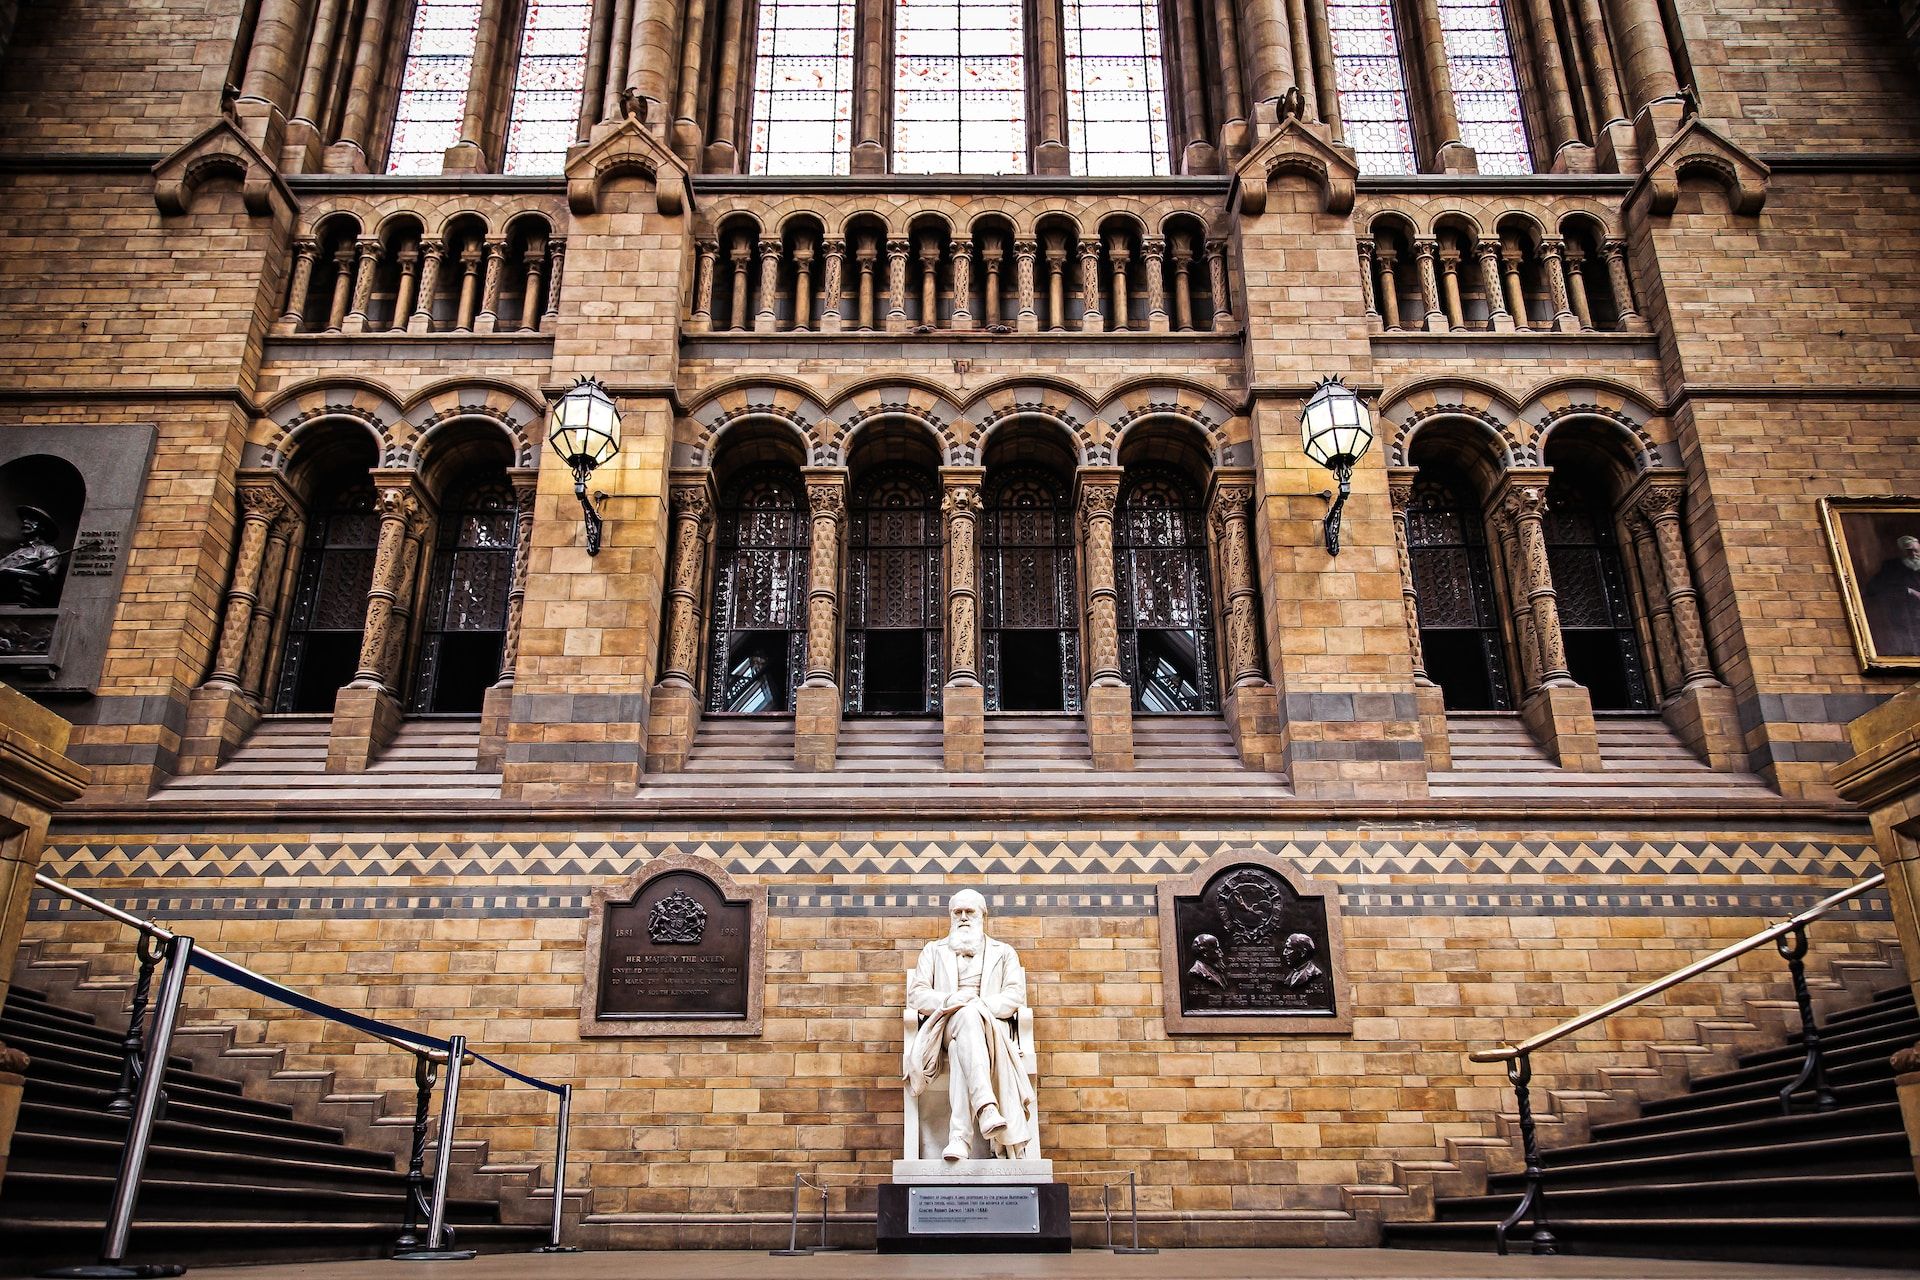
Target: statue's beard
[(964, 939)]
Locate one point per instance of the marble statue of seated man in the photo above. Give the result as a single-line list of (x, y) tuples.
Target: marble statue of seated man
[(964, 989)]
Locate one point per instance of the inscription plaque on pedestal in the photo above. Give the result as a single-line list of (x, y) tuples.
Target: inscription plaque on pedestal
[(675, 951), (1249, 948)]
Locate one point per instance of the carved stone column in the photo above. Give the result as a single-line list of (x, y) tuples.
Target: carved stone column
[(469, 288), (1364, 247), (873, 19), (767, 318), (536, 266), (930, 283), (1222, 289), (1118, 255), (1426, 254), (1181, 252), (961, 314), (1197, 155), (366, 714), (524, 480), (706, 252), (266, 611), (261, 508), (400, 628), (1450, 289), (304, 252), (834, 253), (367, 262), (1109, 703), (1510, 258), (431, 253), (489, 318), (741, 256), (1643, 570), (1576, 265), (349, 154), (556, 277), (1429, 701), (864, 256), (1153, 253), (1555, 270), (990, 259), (1499, 319), (1560, 712), (1028, 319), (1091, 320), (409, 259), (342, 287), (469, 154), (816, 721), (963, 704), (1450, 154), (1233, 128), (1631, 320), (1050, 153), (803, 285), (1556, 102), (1056, 251), (1389, 285), (897, 285), (674, 717)]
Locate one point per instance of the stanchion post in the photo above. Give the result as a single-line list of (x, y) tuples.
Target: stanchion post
[(133, 1157), (793, 1249), (133, 1047), (443, 1165), (1133, 1208), (553, 1245)]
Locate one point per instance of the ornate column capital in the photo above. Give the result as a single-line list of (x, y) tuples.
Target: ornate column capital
[(1400, 481)]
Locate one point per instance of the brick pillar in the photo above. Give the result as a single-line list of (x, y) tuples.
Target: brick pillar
[(675, 718), (1252, 705), (366, 714), (1559, 712), (816, 710), (1429, 701), (496, 708), (963, 703), (1109, 708)]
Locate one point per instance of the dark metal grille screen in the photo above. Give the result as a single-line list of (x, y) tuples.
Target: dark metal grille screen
[(329, 609), (758, 649), (1589, 582), (1031, 602), (1166, 606), (894, 593), (466, 615), (1454, 596)]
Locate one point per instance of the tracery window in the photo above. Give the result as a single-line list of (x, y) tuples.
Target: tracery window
[(329, 613), (1166, 605), (1486, 90), (1116, 91), (959, 86), (1031, 606), (1454, 596), (1372, 85), (1583, 556), (758, 649), (893, 593), (465, 627), (434, 85), (545, 114), (803, 88)]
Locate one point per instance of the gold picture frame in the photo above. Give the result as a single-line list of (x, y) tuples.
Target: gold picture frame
[(1883, 604)]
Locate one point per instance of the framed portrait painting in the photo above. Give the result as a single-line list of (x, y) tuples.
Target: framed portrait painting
[(1876, 551)]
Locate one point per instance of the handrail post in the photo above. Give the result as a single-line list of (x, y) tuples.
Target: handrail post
[(417, 1208), (146, 1107), (553, 1245), (1520, 1073), (133, 1047), (1793, 948), (443, 1154)]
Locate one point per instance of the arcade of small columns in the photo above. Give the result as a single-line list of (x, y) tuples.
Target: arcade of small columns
[(255, 614), (1659, 577), (481, 261), (1109, 700), (1562, 263)]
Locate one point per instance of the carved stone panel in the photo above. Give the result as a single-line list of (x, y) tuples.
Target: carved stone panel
[(677, 949), (1250, 947)]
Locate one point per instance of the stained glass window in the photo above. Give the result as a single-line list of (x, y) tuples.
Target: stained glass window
[(959, 87), (1116, 95), (1486, 93), (1372, 85), (803, 87), (546, 92), (433, 88)]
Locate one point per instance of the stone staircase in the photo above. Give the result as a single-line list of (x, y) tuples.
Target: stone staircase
[(1717, 1171), (284, 760), (1494, 757), (249, 1163)]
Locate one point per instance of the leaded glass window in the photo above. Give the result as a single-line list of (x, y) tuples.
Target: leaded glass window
[(1116, 94), (546, 92), (1032, 606), (893, 593), (803, 87), (464, 630), (1372, 85), (959, 87), (759, 642), (1590, 586), (1454, 596), (1166, 605), (1486, 91), (329, 609), (433, 87)]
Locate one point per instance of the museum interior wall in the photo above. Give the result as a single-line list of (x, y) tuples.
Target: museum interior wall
[(961, 532)]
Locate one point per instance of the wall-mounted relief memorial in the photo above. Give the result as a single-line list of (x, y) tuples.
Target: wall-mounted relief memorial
[(1250, 947), (67, 502), (676, 949)]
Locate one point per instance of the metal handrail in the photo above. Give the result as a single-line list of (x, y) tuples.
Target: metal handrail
[(1789, 938), (141, 1095), (1506, 1053)]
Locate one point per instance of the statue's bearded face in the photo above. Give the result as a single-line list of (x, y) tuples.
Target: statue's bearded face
[(966, 926)]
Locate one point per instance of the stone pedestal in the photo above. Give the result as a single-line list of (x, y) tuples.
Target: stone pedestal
[(816, 726), (1253, 716), (218, 719), (1430, 704), (963, 727), (36, 778), (670, 728), (1707, 719), (1560, 717), (1050, 1215), (496, 713), (365, 719), (1110, 726)]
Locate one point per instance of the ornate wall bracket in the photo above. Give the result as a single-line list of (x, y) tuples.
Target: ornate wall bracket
[(222, 151), (1296, 147), (626, 149), (1698, 150)]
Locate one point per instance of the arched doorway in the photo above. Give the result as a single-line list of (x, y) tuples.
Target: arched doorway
[(1166, 600), (894, 629), (1603, 651), (1454, 594), (464, 629), (759, 639), (1031, 646), (329, 612)]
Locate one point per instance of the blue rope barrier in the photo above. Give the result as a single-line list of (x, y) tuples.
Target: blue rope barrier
[(503, 1069)]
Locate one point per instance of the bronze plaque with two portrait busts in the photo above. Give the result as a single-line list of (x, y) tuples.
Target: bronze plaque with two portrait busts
[(1249, 947), (675, 950)]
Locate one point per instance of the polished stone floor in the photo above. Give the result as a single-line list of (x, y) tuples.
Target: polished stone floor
[(1181, 1264)]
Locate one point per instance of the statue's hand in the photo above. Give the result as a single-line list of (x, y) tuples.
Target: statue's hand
[(955, 999)]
